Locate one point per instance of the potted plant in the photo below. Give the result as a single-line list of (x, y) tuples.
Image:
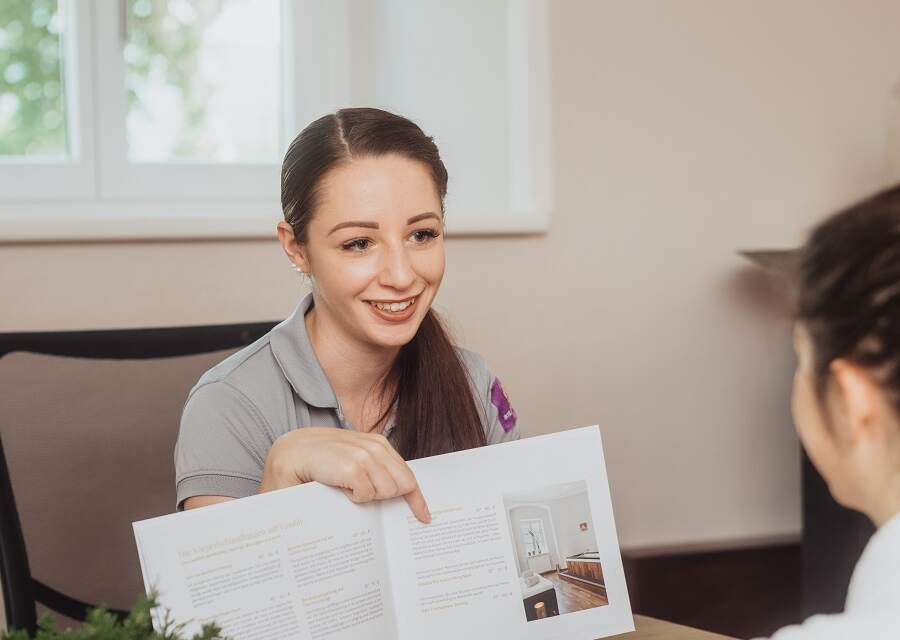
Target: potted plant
[(103, 625)]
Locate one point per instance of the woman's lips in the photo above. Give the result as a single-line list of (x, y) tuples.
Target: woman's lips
[(394, 316)]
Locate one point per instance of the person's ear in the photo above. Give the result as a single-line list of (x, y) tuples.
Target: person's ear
[(293, 249), (858, 401)]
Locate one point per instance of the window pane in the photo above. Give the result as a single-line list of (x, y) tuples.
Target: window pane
[(203, 80), (32, 91), (533, 537)]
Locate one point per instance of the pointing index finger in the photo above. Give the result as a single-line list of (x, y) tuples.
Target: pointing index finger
[(417, 504)]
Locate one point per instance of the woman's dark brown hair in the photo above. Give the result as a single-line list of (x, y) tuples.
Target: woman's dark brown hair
[(848, 295), (435, 408)]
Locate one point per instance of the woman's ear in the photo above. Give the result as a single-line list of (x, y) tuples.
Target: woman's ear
[(293, 249), (858, 401)]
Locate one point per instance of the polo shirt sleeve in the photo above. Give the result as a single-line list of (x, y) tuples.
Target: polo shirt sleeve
[(222, 444), (500, 419)]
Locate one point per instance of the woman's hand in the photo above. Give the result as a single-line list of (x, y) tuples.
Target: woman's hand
[(364, 465)]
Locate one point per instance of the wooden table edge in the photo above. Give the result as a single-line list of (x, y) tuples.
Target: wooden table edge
[(647, 628)]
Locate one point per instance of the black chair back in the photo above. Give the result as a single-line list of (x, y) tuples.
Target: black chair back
[(43, 430)]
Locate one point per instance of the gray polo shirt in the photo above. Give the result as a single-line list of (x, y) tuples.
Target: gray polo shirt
[(240, 407)]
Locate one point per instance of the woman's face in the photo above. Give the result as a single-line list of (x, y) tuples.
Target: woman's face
[(819, 427), (375, 248)]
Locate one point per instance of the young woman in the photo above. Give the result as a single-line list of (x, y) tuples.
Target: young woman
[(846, 398), (362, 376)]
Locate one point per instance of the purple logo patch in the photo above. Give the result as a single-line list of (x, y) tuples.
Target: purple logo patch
[(505, 412)]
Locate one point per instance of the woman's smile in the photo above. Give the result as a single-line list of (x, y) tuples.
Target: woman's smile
[(393, 310)]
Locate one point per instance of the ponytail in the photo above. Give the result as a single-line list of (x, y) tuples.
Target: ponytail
[(436, 411)]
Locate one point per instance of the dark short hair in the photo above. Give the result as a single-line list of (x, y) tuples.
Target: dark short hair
[(848, 290)]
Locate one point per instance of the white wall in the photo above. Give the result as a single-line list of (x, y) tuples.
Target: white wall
[(568, 513), (682, 131)]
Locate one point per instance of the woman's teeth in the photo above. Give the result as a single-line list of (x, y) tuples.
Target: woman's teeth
[(393, 306)]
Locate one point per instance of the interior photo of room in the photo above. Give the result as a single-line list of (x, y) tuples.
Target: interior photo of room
[(556, 550)]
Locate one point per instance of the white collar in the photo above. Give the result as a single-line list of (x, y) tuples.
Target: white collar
[(875, 585)]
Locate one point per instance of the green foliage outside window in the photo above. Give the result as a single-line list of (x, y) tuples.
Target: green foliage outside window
[(164, 39), (32, 91), (163, 42)]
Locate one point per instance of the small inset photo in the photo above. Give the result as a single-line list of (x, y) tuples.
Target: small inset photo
[(556, 550)]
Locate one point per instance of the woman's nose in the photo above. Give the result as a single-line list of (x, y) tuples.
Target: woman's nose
[(396, 270)]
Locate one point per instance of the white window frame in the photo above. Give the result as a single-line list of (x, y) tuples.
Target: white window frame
[(531, 170), (526, 523), (107, 198), (177, 181)]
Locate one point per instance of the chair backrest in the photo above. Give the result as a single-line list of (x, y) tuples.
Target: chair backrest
[(2, 609), (13, 562), (89, 445)]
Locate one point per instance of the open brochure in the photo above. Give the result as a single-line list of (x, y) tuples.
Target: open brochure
[(522, 544)]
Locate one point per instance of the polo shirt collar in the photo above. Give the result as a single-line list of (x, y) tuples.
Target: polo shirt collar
[(294, 354)]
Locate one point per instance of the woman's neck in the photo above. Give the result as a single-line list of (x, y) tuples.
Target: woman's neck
[(885, 501), (354, 369)]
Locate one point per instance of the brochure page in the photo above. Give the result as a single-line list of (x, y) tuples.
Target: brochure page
[(522, 544), (303, 562)]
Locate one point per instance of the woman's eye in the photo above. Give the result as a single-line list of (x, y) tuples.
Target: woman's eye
[(360, 244), (424, 235)]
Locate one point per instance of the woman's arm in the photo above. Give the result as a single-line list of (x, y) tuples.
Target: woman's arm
[(364, 465)]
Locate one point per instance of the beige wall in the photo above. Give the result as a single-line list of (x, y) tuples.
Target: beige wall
[(682, 131)]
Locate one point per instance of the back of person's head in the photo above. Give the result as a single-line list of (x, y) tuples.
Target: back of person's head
[(848, 296), (846, 399)]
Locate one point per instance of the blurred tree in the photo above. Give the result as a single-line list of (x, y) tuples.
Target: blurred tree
[(164, 40), (32, 89)]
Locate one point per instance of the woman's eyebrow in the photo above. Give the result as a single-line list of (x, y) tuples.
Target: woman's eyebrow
[(374, 225), (353, 223), (422, 216)]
